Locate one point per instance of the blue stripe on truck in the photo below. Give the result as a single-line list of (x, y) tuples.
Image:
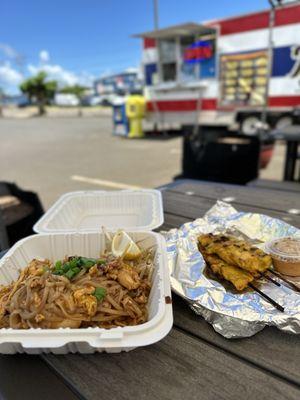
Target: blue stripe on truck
[(282, 61), (150, 69)]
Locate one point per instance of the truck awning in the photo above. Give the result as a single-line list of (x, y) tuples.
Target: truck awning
[(187, 29)]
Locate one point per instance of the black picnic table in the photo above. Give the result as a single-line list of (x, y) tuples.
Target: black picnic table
[(193, 361), (291, 135)]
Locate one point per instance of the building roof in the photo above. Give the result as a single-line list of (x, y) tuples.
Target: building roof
[(186, 29)]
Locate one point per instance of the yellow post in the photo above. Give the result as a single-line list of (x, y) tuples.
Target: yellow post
[(135, 112)]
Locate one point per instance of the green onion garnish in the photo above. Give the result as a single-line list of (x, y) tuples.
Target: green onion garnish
[(100, 293)]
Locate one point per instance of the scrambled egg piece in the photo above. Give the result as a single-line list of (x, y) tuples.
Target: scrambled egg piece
[(129, 278), (36, 299), (39, 317), (93, 271), (36, 267), (84, 298)]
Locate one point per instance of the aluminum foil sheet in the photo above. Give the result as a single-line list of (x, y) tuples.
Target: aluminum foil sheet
[(233, 315)]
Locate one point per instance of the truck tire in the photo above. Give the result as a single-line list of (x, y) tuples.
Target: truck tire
[(284, 121), (248, 124)]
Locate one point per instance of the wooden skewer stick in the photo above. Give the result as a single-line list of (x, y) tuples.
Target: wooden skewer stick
[(266, 297), (295, 287), (270, 279)]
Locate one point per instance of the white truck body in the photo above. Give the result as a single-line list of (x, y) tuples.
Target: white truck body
[(238, 75)]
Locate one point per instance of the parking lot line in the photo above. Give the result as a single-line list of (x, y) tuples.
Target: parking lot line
[(100, 182)]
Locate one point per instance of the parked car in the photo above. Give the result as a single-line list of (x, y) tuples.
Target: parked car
[(63, 99), (92, 101), (19, 100)]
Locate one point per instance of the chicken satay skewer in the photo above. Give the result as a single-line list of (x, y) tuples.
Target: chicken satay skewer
[(220, 266), (252, 286), (236, 276), (236, 252), (208, 240)]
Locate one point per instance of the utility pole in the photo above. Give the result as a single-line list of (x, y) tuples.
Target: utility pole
[(270, 59), (155, 11)]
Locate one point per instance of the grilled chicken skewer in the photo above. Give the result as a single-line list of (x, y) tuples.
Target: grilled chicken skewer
[(240, 279), (237, 262), (236, 252)]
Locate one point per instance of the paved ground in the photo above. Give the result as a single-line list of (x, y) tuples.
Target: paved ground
[(55, 155), (276, 166), (54, 111), (44, 154)]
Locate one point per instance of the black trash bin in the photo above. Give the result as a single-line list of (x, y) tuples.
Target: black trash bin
[(216, 154), (19, 211)]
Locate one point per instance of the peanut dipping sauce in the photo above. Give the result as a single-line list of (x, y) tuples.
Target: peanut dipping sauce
[(285, 253), (289, 246)]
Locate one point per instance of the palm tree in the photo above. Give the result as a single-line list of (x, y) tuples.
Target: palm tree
[(39, 89)]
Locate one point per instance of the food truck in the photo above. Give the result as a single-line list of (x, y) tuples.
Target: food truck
[(231, 71)]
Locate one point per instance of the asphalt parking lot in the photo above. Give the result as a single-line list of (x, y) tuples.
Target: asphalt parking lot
[(54, 155)]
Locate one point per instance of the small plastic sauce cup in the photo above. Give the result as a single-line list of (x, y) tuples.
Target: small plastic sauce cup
[(285, 253)]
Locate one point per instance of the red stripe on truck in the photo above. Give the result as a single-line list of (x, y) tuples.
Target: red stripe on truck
[(181, 105), (211, 104), (284, 101), (149, 43), (260, 20), (243, 24)]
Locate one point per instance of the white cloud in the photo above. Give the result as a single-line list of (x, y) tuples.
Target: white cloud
[(8, 51), (56, 72), (9, 76), (44, 56)]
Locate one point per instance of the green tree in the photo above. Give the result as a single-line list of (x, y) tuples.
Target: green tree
[(39, 89), (78, 90)]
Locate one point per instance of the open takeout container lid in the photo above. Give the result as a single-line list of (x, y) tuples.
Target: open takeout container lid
[(89, 211)]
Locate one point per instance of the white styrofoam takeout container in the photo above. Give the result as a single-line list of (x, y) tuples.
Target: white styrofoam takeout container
[(71, 227), (86, 340), (87, 211)]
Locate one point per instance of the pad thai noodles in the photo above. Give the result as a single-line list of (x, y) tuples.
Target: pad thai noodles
[(79, 292)]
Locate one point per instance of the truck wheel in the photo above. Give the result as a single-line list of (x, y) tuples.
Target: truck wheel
[(249, 125), (284, 121)]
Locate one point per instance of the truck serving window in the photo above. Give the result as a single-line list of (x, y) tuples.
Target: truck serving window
[(187, 58), (167, 49), (189, 71)]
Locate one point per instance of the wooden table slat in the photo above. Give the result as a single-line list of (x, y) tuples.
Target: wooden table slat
[(286, 186), (178, 367), (269, 349), (192, 207), (28, 377), (254, 197)]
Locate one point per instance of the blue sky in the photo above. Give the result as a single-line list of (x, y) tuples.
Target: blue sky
[(77, 40)]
